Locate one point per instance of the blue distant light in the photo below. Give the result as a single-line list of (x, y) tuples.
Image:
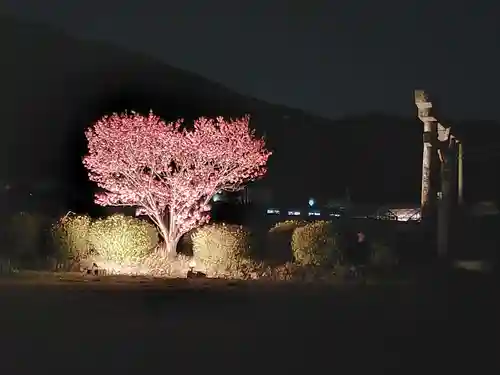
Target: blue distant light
[(311, 202)]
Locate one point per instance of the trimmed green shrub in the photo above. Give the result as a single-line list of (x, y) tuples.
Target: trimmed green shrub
[(287, 226), (122, 239), (71, 238), (279, 248), (223, 250), (316, 244)]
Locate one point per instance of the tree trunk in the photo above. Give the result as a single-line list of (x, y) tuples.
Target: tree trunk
[(170, 238), (165, 247), (171, 247)]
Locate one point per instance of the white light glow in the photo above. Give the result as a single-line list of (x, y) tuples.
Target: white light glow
[(406, 214), (293, 213), (314, 213), (273, 211)]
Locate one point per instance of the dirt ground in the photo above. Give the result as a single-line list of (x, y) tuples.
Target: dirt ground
[(64, 323)]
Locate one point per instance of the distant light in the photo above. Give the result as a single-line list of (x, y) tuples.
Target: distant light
[(273, 211), (311, 202), (334, 214), (293, 213), (217, 197), (406, 214), (314, 213)]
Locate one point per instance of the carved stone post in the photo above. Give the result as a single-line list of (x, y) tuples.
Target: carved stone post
[(428, 192), (445, 206), (439, 141)]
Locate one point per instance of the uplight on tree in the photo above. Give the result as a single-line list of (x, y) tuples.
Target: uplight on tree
[(169, 171)]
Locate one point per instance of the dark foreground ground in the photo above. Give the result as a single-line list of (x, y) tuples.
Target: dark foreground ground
[(148, 328)]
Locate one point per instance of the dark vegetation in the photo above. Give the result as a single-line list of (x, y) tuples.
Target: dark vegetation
[(390, 250)]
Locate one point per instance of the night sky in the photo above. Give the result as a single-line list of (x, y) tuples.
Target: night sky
[(332, 58)]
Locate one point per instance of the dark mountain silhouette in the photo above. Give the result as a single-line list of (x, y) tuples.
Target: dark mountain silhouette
[(53, 87)]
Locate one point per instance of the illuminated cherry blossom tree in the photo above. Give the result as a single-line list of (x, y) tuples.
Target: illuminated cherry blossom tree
[(170, 172)]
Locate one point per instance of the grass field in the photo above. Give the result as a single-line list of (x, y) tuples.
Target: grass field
[(65, 322)]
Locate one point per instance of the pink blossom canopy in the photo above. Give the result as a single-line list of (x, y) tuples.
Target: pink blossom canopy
[(170, 172)]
